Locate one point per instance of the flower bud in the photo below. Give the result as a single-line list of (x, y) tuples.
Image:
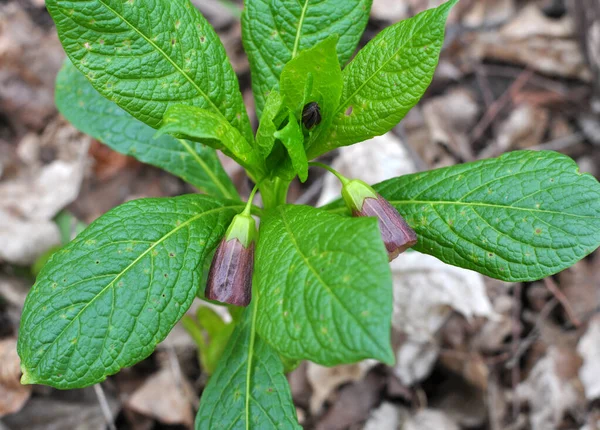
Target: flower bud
[(363, 200), (230, 275)]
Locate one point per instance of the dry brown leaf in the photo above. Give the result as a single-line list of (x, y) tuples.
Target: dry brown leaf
[(525, 127), (354, 403), (469, 365), (418, 137), (41, 196), (534, 40), (461, 401), (531, 22), (50, 176), (108, 163), (494, 332), (450, 119), (430, 419), (326, 380), (551, 388), (594, 424), (30, 59), (162, 398), (579, 284), (390, 10), (385, 417), (81, 412), (415, 360), (489, 13), (13, 395), (589, 350), (426, 292), (23, 241)]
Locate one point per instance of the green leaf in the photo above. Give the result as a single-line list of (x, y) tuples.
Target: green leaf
[(249, 389), (108, 298), (520, 217), (387, 78), (324, 286), (148, 55), (91, 113), (199, 124), (292, 138), (275, 31), (269, 123), (314, 76)]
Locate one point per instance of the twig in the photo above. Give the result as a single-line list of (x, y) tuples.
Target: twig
[(104, 406), (559, 144), (533, 335), (499, 104), (484, 84), (537, 80), (553, 288), (493, 393), (516, 335)]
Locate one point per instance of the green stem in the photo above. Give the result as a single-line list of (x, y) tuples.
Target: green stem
[(337, 174), (248, 209), (274, 192)]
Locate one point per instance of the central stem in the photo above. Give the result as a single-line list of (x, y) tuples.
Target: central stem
[(274, 192)]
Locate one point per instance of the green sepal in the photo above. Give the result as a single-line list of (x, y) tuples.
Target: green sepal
[(355, 192), (242, 228)]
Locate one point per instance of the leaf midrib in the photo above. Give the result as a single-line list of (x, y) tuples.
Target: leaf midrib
[(343, 106), (124, 271), (208, 171), (299, 29), (290, 232), (488, 205), (164, 54)]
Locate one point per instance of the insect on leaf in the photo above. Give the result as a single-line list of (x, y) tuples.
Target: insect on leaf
[(276, 31), (386, 79), (314, 76)]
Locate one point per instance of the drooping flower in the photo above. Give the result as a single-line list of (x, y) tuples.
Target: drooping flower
[(363, 200), (230, 275)]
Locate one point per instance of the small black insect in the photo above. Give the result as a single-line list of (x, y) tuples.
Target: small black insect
[(311, 115)]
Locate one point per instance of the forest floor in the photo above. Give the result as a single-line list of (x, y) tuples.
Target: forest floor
[(473, 352)]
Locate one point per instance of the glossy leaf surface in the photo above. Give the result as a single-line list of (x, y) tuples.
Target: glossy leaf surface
[(387, 78), (520, 217), (249, 389), (97, 116), (151, 54), (324, 286), (108, 298), (275, 31)]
